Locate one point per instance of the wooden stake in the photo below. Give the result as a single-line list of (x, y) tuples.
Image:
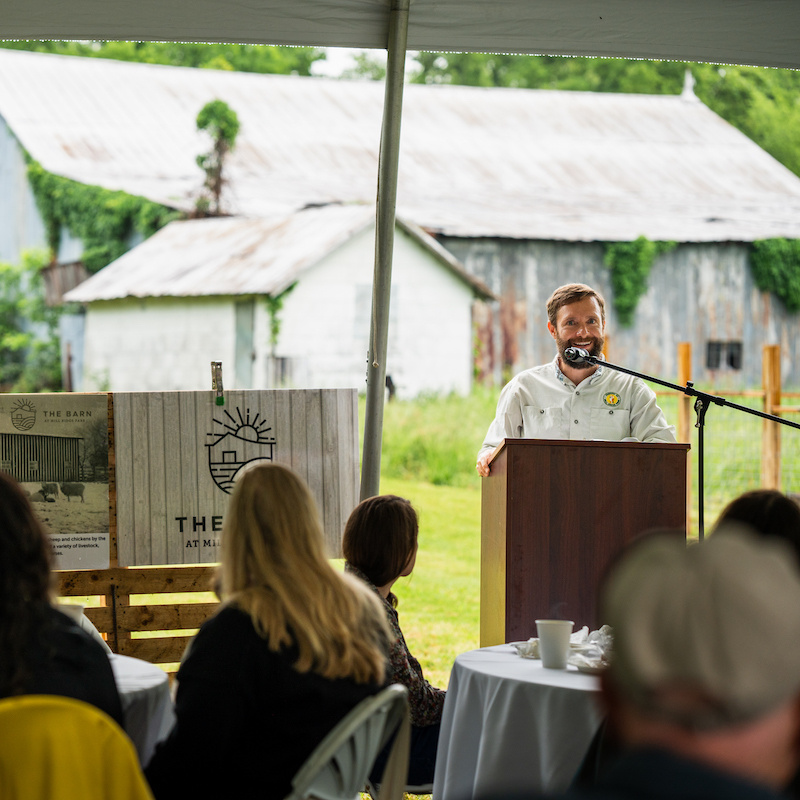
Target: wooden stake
[(771, 431), (685, 418)]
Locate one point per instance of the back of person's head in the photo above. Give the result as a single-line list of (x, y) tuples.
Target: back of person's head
[(769, 513), (274, 568), (380, 537), (704, 635), (25, 582)]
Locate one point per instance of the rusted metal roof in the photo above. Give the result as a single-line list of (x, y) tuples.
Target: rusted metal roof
[(527, 164), (242, 256)]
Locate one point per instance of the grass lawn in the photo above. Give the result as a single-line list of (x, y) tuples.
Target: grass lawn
[(439, 601)]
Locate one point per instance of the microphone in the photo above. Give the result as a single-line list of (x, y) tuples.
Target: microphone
[(577, 355)]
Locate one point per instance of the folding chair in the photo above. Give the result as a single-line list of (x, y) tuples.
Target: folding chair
[(339, 766), (58, 748)]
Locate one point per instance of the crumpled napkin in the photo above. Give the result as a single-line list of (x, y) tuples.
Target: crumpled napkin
[(586, 649)]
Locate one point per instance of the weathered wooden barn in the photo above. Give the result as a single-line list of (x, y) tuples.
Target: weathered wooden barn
[(524, 187), (40, 457)]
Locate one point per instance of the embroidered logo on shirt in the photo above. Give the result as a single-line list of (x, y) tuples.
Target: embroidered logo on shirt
[(611, 399)]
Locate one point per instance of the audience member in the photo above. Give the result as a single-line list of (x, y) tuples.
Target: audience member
[(704, 684), (767, 512), (294, 646), (380, 546), (42, 651)]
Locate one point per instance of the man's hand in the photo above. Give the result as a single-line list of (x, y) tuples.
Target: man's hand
[(483, 465)]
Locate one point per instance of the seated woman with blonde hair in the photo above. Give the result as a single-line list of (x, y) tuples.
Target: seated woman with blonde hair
[(294, 646), (380, 546)]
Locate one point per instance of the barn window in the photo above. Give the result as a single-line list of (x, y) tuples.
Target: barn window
[(33, 466), (723, 355), (713, 355), (5, 466)]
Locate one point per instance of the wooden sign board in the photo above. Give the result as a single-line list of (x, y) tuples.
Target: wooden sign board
[(177, 454)]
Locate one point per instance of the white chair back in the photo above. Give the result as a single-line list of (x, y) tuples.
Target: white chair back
[(339, 767)]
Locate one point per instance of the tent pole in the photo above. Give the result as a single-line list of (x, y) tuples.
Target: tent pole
[(384, 243)]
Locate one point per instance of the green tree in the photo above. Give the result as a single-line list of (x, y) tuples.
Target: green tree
[(221, 123), (240, 57), (30, 355)]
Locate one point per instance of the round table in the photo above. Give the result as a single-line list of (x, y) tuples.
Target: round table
[(511, 726), (146, 702)]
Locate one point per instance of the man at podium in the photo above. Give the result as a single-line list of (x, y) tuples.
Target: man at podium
[(573, 399)]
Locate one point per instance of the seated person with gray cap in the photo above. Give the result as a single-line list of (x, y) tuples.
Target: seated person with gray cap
[(703, 689)]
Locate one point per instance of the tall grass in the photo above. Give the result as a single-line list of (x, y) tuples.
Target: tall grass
[(435, 440)]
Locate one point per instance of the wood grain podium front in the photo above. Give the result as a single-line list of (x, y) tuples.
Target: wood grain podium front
[(554, 514)]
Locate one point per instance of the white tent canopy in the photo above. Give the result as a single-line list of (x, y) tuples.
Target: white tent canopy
[(758, 32)]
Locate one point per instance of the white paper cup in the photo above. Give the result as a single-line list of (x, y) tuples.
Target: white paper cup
[(554, 641)]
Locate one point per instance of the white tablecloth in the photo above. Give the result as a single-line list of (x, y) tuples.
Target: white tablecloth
[(509, 725), (144, 690)]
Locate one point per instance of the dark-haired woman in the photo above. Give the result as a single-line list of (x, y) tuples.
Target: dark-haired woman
[(42, 651), (380, 546)]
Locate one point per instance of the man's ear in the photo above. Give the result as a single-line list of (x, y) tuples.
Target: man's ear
[(551, 329)]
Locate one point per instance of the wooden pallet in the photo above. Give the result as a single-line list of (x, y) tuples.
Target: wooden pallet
[(118, 618)]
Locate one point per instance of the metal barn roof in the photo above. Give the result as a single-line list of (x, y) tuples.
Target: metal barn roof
[(242, 256), (529, 164)]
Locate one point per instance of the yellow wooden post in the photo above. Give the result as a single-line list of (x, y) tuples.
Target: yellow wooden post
[(771, 431), (685, 418)]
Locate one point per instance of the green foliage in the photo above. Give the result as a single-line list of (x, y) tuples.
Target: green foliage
[(102, 219), (367, 67), (763, 103), (221, 123), (274, 307), (776, 268), (240, 57), (630, 264), (30, 357), (435, 438)]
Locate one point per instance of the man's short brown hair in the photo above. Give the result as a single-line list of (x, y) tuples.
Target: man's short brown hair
[(571, 293)]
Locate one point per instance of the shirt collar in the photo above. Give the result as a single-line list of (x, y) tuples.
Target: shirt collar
[(567, 382)]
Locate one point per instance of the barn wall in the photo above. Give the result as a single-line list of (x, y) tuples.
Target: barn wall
[(158, 343), (697, 293), (22, 226), (429, 321)]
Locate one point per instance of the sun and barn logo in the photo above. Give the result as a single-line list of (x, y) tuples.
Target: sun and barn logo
[(23, 415), (611, 399), (237, 442)]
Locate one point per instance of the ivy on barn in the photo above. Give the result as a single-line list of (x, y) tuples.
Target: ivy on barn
[(630, 264), (274, 306), (101, 218), (776, 268)]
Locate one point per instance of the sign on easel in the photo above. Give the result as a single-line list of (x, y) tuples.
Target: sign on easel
[(178, 454), (56, 447)]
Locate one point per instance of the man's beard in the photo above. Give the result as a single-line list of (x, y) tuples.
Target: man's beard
[(595, 349)]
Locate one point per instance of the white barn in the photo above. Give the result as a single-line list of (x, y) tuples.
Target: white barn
[(195, 292)]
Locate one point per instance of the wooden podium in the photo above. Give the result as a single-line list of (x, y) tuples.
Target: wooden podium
[(555, 514)]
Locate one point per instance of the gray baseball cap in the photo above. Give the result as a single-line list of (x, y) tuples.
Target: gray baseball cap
[(705, 635)]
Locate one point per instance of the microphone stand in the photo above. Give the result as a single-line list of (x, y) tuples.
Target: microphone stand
[(701, 404)]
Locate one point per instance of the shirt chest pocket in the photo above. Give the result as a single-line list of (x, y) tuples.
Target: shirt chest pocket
[(612, 424), (541, 423)]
